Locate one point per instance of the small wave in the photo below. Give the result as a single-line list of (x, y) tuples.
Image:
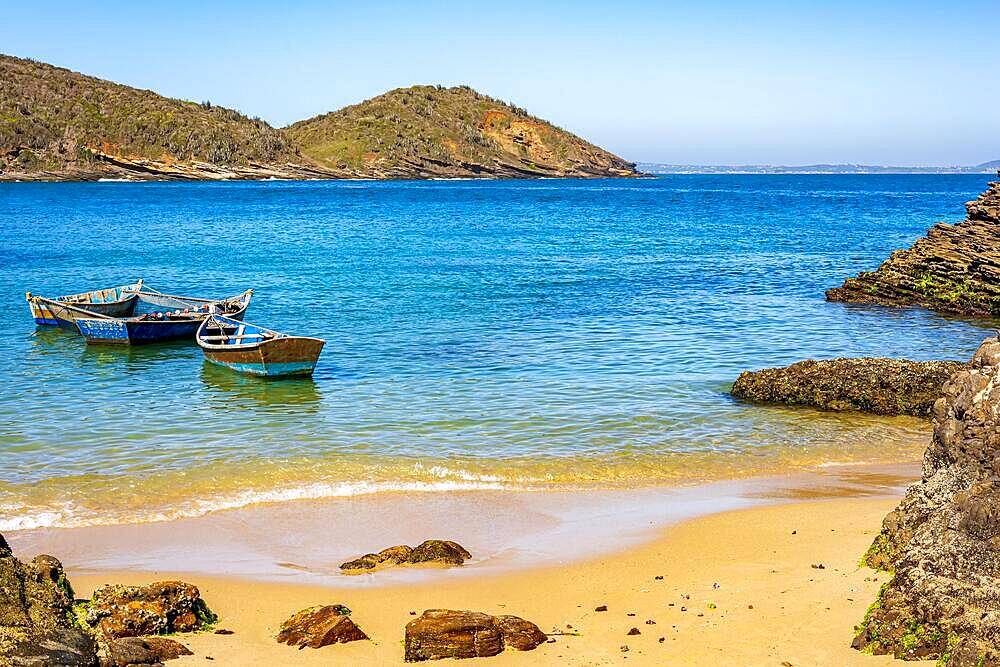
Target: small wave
[(71, 516)]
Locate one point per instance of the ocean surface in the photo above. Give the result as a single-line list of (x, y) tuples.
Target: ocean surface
[(543, 334)]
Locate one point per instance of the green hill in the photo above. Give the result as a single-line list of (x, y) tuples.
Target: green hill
[(61, 124), (56, 124), (431, 131)]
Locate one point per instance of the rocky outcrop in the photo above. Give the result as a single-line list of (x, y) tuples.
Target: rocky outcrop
[(443, 552), (942, 542), (444, 633), (317, 627), (36, 617), (953, 269), (879, 386), (135, 611)]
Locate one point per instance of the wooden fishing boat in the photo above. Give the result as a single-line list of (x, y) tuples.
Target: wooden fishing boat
[(159, 326), (63, 311), (254, 350)]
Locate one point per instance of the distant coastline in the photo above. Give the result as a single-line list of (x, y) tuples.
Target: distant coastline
[(665, 168)]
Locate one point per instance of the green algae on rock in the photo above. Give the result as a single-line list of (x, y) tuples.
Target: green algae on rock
[(942, 542), (954, 269), (875, 385)]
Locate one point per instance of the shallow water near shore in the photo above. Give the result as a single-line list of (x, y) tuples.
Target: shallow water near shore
[(553, 335), (304, 542)]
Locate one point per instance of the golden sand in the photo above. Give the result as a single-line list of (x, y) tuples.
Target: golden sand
[(738, 588)]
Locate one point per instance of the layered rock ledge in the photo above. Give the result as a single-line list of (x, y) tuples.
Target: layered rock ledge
[(943, 540), (876, 385), (954, 269)]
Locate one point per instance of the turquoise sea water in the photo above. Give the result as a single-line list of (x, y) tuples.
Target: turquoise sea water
[(479, 334)]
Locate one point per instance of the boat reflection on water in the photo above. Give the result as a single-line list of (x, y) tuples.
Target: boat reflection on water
[(299, 392), (131, 359)]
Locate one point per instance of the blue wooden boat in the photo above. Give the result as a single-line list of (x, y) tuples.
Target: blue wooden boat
[(248, 348), (63, 311), (159, 326)]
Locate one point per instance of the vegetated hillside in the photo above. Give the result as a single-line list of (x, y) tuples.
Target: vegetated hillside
[(431, 131), (55, 123)]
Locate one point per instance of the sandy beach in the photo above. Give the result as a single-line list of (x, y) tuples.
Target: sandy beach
[(738, 587), (774, 582)]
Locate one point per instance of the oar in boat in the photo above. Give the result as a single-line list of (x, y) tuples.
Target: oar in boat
[(255, 350)]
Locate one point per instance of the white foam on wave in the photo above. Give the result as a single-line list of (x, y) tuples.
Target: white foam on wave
[(19, 517)]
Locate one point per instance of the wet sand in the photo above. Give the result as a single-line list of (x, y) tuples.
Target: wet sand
[(305, 541)]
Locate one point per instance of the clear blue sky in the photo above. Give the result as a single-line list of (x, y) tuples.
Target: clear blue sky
[(683, 82)]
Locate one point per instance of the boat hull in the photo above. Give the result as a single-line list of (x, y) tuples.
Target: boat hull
[(124, 332), (65, 310), (55, 314), (147, 329), (280, 357)]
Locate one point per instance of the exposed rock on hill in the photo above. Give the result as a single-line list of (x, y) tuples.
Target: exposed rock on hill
[(879, 386), (953, 269), (60, 125), (430, 131), (943, 540)]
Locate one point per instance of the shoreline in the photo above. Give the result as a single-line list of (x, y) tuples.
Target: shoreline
[(304, 541), (744, 586)]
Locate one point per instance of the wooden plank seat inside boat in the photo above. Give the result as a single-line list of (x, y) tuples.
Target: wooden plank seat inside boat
[(255, 350)]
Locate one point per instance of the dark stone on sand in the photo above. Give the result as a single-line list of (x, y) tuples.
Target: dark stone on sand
[(159, 608), (317, 627), (141, 651), (633, 632), (942, 542), (603, 607), (445, 633), (431, 551), (875, 385), (224, 631)]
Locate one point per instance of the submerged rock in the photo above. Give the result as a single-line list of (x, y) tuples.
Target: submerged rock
[(159, 608), (942, 542), (317, 627), (879, 386), (431, 551), (445, 633), (953, 269), (36, 619)]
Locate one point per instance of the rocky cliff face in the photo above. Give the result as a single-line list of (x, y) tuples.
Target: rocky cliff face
[(953, 269), (943, 540)]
